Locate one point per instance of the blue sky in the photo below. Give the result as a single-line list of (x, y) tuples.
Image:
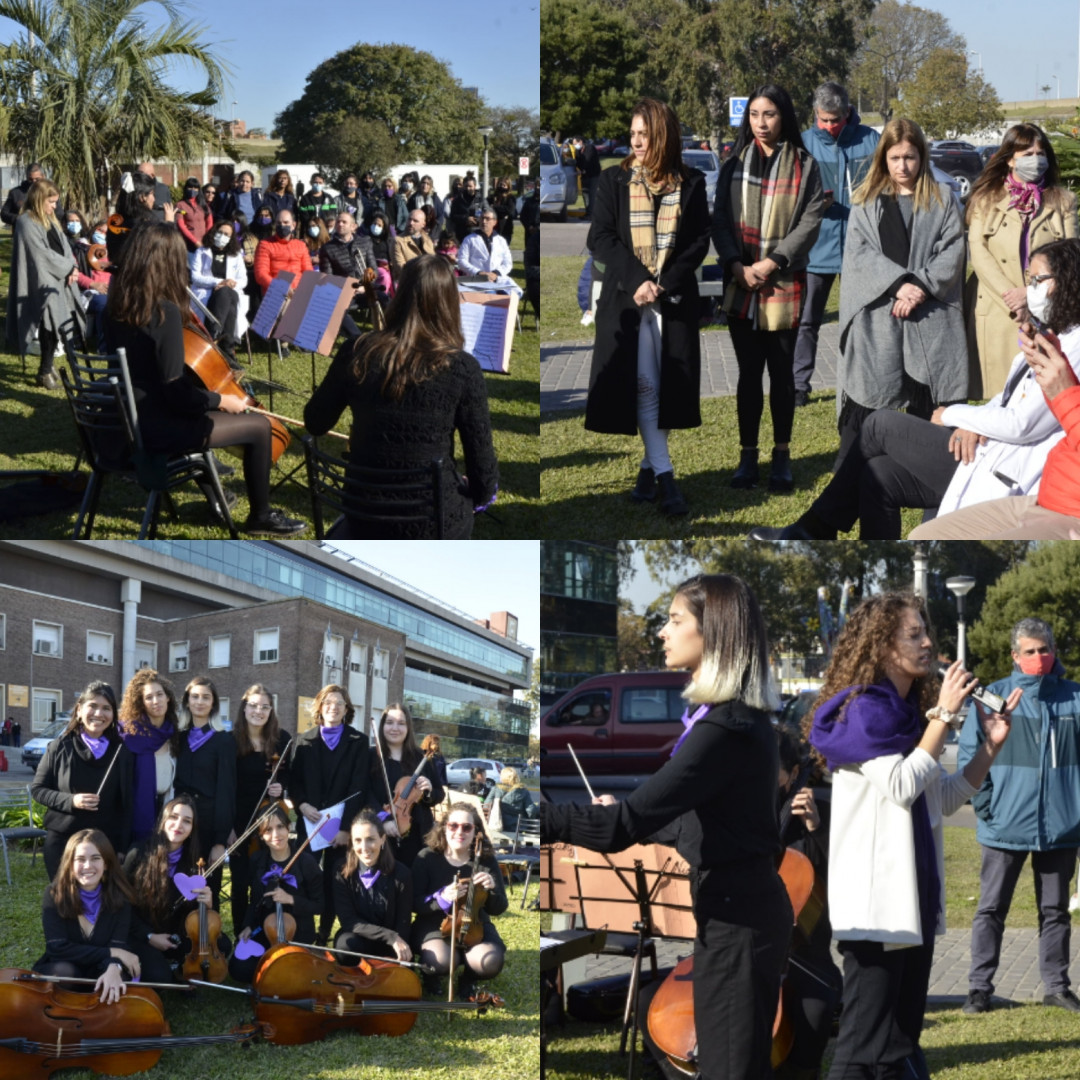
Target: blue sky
[(271, 46)]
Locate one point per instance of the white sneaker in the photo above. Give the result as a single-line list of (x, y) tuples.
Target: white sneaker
[(587, 319), (1074, 902)]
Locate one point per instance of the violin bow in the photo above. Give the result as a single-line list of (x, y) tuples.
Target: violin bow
[(277, 765), (292, 420), (386, 777), (453, 936), (426, 968), (300, 850), (33, 976), (239, 840)]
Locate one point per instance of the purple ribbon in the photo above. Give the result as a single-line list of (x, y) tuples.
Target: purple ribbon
[(331, 735), (91, 903), (174, 860), (446, 905), (275, 871), (688, 723), (369, 877), (197, 736), (97, 747)]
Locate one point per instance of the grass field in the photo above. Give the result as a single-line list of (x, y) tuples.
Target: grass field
[(37, 432), (1024, 1042), (502, 1044)]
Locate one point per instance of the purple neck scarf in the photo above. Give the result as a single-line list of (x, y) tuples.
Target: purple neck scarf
[(97, 747), (174, 860), (275, 872), (1025, 197), (688, 723), (331, 735), (197, 736), (144, 743), (369, 877), (91, 903)]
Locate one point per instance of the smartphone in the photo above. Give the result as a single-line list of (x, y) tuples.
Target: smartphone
[(1041, 327), (992, 702)]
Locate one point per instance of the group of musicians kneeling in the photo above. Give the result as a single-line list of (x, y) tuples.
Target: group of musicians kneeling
[(117, 911)]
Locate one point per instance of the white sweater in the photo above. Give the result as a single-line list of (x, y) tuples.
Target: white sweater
[(873, 891)]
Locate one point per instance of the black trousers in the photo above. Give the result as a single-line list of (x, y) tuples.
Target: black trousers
[(756, 350), (818, 287), (347, 941), (223, 304), (884, 1003), (899, 460), (332, 858), (251, 431), (239, 885)]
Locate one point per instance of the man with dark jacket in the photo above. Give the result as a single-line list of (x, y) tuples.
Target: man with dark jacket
[(466, 208), (316, 202), (1028, 805), (162, 193), (348, 253), (588, 167), (17, 195)]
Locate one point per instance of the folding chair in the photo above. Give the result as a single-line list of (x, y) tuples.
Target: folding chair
[(19, 799)]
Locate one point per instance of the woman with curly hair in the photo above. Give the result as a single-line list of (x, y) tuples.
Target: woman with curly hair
[(715, 801), (962, 455), (150, 728), (879, 733), (1017, 205)]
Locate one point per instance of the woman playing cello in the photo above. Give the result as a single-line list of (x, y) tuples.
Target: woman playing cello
[(720, 784)]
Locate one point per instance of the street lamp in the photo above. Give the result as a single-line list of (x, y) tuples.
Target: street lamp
[(487, 132), (1058, 81), (921, 564), (960, 587), (973, 52)]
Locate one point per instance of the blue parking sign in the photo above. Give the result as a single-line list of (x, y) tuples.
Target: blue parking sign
[(736, 108)]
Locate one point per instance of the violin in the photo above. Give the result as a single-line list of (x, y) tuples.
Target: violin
[(203, 928), (378, 319), (97, 256), (44, 1027), (465, 927), (406, 796), (208, 364), (301, 997)]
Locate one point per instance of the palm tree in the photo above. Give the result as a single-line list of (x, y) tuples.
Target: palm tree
[(84, 88)]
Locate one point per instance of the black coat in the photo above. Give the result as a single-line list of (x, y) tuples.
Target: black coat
[(252, 773), (377, 913), (408, 847), (431, 873), (208, 775), (612, 402), (307, 896), (323, 777), (65, 940)]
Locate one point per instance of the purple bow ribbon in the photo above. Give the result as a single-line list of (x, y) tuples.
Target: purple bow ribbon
[(197, 736), (276, 871)]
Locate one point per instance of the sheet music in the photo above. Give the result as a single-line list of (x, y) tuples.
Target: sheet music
[(484, 328), (320, 840), (271, 305), (317, 317)]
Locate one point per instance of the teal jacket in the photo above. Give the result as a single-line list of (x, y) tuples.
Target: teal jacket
[(1030, 800)]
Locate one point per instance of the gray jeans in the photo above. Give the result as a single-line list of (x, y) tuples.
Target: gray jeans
[(997, 880), (818, 287)]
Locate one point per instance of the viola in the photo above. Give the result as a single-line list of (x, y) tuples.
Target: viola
[(406, 796), (44, 1027), (203, 928), (301, 997), (465, 926), (208, 364)]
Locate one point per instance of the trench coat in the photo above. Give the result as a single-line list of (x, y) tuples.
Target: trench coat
[(612, 401)]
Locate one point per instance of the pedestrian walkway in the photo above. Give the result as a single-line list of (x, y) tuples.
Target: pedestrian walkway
[(1017, 975), (564, 368)]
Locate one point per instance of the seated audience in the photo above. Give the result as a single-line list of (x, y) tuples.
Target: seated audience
[(348, 253), (466, 208), (413, 243), (282, 251), (486, 254), (280, 195), (219, 280), (316, 203)]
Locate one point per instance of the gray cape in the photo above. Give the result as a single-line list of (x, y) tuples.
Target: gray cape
[(931, 345)]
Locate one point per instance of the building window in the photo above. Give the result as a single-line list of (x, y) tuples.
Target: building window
[(224, 719), (48, 639), (145, 654), (99, 647), (178, 656), (3, 630), (46, 704), (219, 651), (266, 646)]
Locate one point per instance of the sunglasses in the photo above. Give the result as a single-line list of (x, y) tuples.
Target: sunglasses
[(454, 826)]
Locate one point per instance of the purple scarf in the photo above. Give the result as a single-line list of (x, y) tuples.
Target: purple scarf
[(688, 723), (91, 903), (174, 860), (369, 877), (197, 736), (97, 747), (878, 722), (144, 743), (275, 872), (331, 735)]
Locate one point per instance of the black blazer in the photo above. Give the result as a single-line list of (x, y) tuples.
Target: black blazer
[(307, 896), (322, 777), (377, 913), (65, 940), (431, 872), (209, 776), (252, 772)]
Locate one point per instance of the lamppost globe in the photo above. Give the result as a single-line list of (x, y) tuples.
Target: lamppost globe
[(960, 586)]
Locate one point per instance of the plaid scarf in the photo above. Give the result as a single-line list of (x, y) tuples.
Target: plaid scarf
[(764, 194), (652, 234)]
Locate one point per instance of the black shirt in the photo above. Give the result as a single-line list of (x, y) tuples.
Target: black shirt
[(307, 895), (209, 776), (252, 773), (379, 912)]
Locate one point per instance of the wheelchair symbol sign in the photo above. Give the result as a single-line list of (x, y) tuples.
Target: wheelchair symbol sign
[(736, 108)]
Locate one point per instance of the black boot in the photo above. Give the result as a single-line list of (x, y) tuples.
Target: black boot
[(808, 527), (46, 375), (645, 488), (672, 501), (780, 475), (746, 475)]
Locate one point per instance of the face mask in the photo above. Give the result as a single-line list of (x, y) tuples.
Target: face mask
[(313, 230), (191, 192), (1040, 664), (1038, 299), (1031, 168), (316, 188), (833, 129), (376, 230), (263, 221), (350, 187), (74, 228), (406, 186), (220, 241), (284, 230), (367, 184), (98, 238), (388, 191)]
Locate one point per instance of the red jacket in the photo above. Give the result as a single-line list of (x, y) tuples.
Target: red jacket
[(1059, 489), (277, 254), (193, 222)]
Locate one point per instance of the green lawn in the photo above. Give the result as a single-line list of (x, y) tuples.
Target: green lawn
[(504, 1043), (38, 433)]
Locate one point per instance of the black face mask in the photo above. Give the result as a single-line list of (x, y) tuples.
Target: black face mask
[(367, 185), (284, 230)]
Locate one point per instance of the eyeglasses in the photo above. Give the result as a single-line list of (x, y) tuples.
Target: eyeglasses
[(457, 826), (1037, 279)]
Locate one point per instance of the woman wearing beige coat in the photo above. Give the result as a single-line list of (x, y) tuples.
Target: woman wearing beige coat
[(1017, 205)]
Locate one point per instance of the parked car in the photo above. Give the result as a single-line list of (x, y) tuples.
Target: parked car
[(620, 151), (34, 750), (795, 708), (457, 772), (987, 152), (623, 724), (708, 163), (603, 146), (552, 180), (960, 160)]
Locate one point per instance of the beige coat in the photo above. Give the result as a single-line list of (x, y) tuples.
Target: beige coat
[(994, 240), (405, 250)]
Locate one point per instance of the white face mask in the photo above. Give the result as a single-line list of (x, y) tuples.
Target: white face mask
[(1038, 299), (220, 241), (1031, 167)]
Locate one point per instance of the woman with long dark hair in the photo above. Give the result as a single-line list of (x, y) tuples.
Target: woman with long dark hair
[(280, 195), (410, 388), (651, 231), (766, 217), (719, 788), (146, 314), (1017, 204), (84, 778), (876, 725)]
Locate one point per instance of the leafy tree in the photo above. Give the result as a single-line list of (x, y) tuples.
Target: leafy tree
[(354, 143), (945, 97), (639, 647), (590, 67), (427, 113), (84, 86), (516, 134), (1047, 586), (897, 41)]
